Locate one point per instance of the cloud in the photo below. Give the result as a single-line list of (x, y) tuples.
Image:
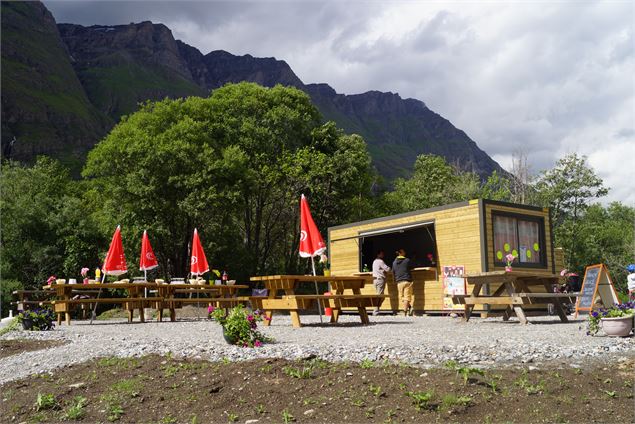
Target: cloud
[(550, 77)]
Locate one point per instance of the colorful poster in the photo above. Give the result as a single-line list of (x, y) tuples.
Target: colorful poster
[(453, 284)]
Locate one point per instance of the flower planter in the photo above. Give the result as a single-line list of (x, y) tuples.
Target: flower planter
[(617, 327), (27, 323), (229, 339)]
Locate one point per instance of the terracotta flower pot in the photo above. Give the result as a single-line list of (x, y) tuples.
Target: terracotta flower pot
[(617, 327)]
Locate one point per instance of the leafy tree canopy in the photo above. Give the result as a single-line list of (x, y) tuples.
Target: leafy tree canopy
[(233, 165)]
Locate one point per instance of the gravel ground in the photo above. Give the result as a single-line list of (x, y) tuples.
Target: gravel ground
[(423, 341)]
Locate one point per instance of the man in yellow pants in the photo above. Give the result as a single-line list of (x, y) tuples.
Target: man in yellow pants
[(403, 278)]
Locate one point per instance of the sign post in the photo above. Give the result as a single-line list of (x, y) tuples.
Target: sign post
[(597, 282), (453, 284)]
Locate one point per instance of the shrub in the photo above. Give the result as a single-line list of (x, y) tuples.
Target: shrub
[(7, 287), (40, 319)]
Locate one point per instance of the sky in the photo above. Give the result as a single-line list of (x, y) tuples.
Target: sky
[(545, 78)]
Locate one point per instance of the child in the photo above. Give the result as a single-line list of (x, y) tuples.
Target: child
[(631, 281)]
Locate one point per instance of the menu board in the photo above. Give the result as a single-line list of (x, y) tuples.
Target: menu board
[(597, 281), (453, 284)]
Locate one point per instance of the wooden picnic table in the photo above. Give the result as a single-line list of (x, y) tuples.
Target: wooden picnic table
[(337, 300), (135, 298), (515, 291), (217, 295)]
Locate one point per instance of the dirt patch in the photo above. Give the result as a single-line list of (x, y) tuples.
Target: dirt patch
[(167, 390), (13, 347)]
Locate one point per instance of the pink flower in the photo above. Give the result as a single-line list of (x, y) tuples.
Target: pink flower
[(564, 272), (267, 318), (257, 343), (51, 279), (250, 317), (510, 257), (210, 309), (84, 272)]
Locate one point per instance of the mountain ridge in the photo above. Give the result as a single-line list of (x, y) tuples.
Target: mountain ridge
[(119, 66)]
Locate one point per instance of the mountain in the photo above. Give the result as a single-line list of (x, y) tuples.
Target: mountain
[(120, 66), (44, 105), (108, 70)]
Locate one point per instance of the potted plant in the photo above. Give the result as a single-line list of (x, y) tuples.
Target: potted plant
[(38, 319), (240, 326), (509, 258), (84, 273), (616, 321)]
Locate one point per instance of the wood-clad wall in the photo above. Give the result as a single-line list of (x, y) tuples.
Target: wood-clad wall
[(457, 233)]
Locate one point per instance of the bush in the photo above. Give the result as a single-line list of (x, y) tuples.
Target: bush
[(7, 287), (40, 319)]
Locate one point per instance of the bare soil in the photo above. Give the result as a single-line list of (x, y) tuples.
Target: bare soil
[(13, 347), (167, 390)]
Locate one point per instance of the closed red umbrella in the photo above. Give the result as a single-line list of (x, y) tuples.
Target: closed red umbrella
[(115, 263), (148, 260), (198, 263), (311, 241)]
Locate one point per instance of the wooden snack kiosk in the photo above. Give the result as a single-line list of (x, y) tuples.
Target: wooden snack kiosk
[(475, 234)]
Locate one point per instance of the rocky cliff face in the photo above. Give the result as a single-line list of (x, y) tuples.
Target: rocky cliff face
[(103, 71), (122, 65), (44, 106), (397, 130)]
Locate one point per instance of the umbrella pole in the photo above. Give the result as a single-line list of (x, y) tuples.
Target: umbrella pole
[(316, 289), (94, 313), (145, 291)]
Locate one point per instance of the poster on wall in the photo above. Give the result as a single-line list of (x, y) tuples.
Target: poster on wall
[(453, 284)]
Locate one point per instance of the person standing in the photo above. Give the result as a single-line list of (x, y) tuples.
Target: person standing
[(379, 275), (630, 280), (403, 278)]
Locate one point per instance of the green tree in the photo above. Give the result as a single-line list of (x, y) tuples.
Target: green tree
[(606, 235), (497, 187), (432, 184), (569, 187), (233, 165), (45, 228)]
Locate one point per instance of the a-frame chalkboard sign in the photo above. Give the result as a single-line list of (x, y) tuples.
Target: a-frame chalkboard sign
[(597, 282)]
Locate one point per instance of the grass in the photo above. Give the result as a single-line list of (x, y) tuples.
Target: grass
[(366, 364), (375, 390), (287, 417), (45, 401), (75, 410), (11, 326), (450, 401), (303, 373), (421, 399)]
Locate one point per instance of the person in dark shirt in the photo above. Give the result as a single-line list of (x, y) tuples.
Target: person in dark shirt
[(401, 269)]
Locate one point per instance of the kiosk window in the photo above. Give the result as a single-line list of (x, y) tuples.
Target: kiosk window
[(521, 236), (418, 243)]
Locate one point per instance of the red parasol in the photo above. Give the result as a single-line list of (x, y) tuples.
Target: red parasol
[(115, 263), (199, 261), (147, 261), (311, 241)]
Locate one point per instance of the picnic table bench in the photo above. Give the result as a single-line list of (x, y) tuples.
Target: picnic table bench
[(134, 299), (216, 295), (515, 291), (337, 300)]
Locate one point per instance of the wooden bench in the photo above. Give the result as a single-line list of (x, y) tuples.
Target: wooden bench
[(297, 302)]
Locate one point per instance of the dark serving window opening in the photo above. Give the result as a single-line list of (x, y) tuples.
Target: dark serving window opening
[(522, 236), (418, 242)]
